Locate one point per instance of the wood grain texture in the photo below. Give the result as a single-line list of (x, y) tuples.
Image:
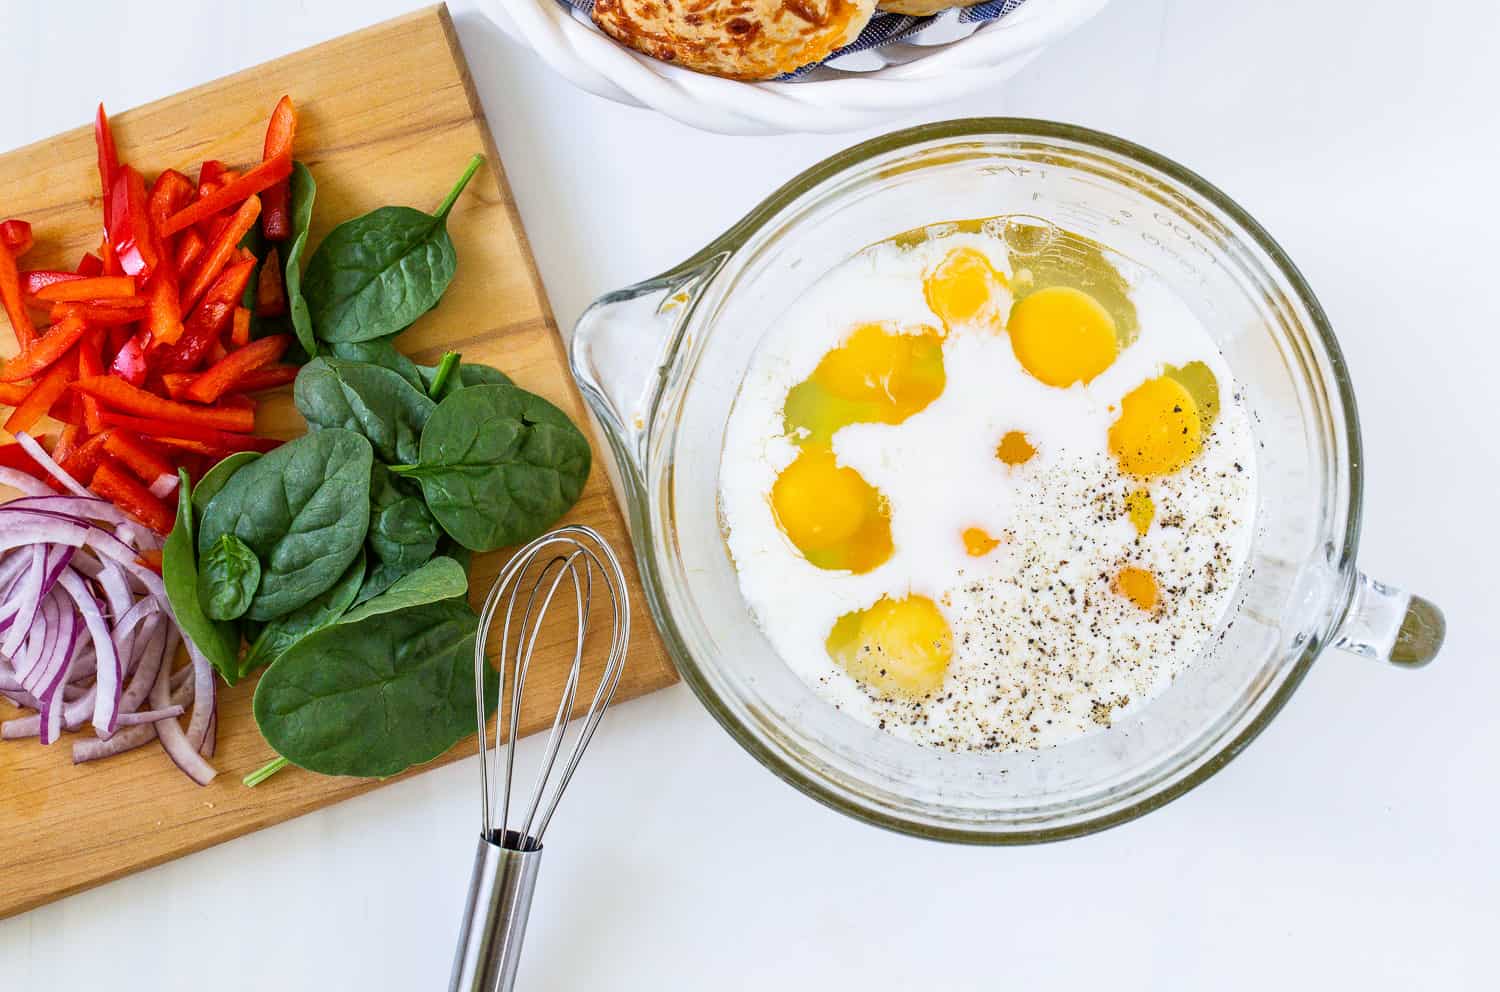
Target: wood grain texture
[(388, 116)]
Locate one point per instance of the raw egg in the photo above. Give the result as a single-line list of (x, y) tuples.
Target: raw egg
[(834, 517), (898, 646), (1062, 335), (963, 288), (878, 375), (1158, 430)]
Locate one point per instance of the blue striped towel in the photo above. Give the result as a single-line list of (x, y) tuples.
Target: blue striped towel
[(883, 29)]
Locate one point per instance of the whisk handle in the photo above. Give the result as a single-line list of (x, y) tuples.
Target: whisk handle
[(489, 942)]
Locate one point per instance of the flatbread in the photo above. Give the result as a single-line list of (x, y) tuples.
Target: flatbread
[(739, 39)]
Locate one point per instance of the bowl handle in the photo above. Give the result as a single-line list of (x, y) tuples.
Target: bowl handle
[(624, 347), (1390, 624)]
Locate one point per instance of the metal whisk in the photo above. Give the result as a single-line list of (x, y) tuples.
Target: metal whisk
[(505, 866)]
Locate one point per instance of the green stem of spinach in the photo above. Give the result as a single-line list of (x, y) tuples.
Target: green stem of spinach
[(446, 367), (401, 469), (447, 204), (265, 771)]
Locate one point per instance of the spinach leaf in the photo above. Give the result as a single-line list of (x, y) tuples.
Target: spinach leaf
[(218, 642), (382, 352), (281, 633), (366, 399), (213, 480), (304, 191), (374, 275), (439, 579), (450, 548), (468, 375), (303, 509), (499, 465), (228, 575), (403, 534), (374, 696)]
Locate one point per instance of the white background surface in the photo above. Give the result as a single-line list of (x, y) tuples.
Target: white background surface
[(1355, 845)]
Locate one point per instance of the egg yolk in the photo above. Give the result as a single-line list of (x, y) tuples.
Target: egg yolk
[(1138, 586), (978, 542), (1062, 335), (897, 646), (962, 289), (1158, 430), (1014, 449), (877, 375), (1141, 510), (834, 517), (1202, 385)]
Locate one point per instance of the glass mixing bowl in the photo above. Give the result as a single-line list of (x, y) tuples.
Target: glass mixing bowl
[(661, 362)]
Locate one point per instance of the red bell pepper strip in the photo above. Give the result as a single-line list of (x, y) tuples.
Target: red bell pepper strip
[(129, 225), (12, 300), (97, 288), (129, 362), (164, 319), (177, 384), (112, 483), (80, 464), (90, 265), (149, 466), (102, 312), (67, 442), (120, 395), (226, 374), (104, 140), (116, 336), (174, 190), (206, 324), (38, 403), (16, 457), (255, 181), (164, 306), (17, 236), (276, 218), (173, 433), (211, 172), (218, 254), (12, 393), (90, 362), (151, 559), (45, 350), (239, 328), (190, 245), (270, 290), (107, 256), (66, 409), (36, 280), (267, 378), (238, 401)]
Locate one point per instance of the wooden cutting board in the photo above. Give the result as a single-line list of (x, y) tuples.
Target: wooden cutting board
[(388, 116)]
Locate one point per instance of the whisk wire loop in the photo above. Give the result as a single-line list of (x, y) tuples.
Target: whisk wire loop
[(569, 555)]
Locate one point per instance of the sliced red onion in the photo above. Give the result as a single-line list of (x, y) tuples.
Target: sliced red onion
[(150, 716), (164, 486), (77, 507), (126, 740), (70, 565), (39, 454), (183, 755), (107, 698), (29, 595), (22, 482), (211, 740)]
